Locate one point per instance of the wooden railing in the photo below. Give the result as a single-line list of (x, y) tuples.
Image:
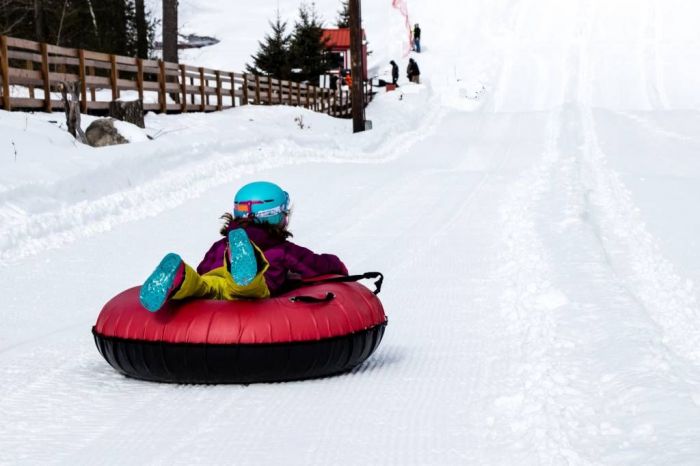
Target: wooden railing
[(31, 73)]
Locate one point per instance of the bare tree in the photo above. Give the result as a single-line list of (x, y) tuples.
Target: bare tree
[(170, 31), (71, 101), (39, 20), (13, 15), (60, 24)]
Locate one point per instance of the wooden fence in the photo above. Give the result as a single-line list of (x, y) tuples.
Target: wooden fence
[(33, 71)]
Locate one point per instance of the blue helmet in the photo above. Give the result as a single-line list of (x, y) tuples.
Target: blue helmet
[(264, 201)]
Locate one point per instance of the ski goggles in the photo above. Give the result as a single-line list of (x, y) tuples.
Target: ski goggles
[(245, 208)]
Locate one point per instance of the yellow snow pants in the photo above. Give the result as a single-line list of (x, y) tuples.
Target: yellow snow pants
[(218, 283)]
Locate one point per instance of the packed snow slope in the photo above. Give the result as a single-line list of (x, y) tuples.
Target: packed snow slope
[(533, 205)]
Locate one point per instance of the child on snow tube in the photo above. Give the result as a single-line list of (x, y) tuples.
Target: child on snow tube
[(254, 260)]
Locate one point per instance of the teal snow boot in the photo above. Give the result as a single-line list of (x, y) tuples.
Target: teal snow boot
[(165, 280), (244, 265)]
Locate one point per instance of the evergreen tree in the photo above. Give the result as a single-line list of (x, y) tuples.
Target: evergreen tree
[(309, 54), (343, 20), (273, 57)]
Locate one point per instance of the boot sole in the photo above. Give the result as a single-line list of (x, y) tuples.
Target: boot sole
[(156, 289), (244, 265)]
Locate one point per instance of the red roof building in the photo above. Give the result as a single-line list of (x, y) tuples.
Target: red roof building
[(338, 40)]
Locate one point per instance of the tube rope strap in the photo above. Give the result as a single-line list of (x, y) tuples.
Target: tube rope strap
[(346, 279)]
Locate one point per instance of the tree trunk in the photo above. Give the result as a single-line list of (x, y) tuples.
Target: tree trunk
[(71, 102), (170, 31), (130, 111), (39, 20), (141, 30), (357, 89)]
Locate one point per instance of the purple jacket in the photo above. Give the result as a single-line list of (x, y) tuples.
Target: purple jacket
[(283, 256)]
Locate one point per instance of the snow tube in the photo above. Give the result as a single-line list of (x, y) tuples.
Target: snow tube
[(318, 330)]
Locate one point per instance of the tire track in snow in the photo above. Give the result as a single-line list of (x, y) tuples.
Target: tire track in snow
[(558, 402), (587, 378), (536, 404), (635, 254), (632, 251), (530, 411)]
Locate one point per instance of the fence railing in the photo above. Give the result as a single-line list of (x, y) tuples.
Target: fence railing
[(31, 73)]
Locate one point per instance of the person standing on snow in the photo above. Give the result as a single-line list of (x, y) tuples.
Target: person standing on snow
[(394, 73), (413, 72), (416, 38)]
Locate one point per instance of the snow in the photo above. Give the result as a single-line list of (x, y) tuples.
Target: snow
[(532, 204)]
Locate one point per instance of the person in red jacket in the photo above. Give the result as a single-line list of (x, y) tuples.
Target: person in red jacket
[(255, 259)]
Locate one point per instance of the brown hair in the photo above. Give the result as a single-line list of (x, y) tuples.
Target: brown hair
[(275, 231)]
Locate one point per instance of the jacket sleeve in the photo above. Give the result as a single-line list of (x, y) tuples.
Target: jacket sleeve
[(214, 257), (306, 263)]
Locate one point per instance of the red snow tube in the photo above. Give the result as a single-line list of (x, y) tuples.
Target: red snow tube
[(315, 331)]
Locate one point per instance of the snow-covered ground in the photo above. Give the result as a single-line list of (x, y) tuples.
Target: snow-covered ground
[(533, 206)]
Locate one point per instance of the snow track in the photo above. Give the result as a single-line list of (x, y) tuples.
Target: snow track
[(194, 168), (567, 303)]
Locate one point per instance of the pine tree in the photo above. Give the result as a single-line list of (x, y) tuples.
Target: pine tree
[(273, 56), (343, 20), (310, 56)]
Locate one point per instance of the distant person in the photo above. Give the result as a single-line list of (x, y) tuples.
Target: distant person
[(394, 73), (413, 72), (416, 38)]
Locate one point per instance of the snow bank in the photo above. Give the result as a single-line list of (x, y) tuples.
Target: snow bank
[(54, 190)]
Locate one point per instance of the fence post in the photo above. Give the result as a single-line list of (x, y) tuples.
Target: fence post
[(315, 99), (30, 66), (290, 96), (281, 90), (162, 96), (245, 89), (83, 81), (219, 98), (91, 72), (139, 78), (232, 76), (257, 89), (183, 88), (202, 95), (5, 74), (298, 94), (46, 77), (114, 77)]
